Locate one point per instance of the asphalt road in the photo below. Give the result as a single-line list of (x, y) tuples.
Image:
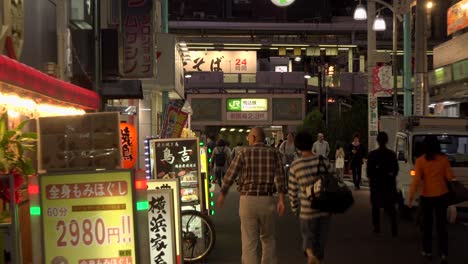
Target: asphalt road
[(350, 238)]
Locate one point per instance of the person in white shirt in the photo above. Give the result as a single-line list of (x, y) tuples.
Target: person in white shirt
[(321, 146)]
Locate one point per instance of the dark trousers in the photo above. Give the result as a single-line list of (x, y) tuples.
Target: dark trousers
[(390, 210), (434, 207), (219, 174), (357, 171)]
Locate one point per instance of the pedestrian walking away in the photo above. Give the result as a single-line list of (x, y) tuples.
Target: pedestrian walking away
[(314, 224), (432, 172), (220, 160), (321, 146), (259, 171), (382, 170), (356, 155)]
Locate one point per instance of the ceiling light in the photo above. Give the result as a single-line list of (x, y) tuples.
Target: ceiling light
[(297, 59), (248, 131), (182, 44), (232, 130), (222, 129), (188, 75), (307, 76), (360, 12), (241, 130), (379, 24), (184, 49), (429, 5)]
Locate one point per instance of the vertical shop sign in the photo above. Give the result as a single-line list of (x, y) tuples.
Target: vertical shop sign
[(161, 226), (137, 39), (174, 186), (88, 218), (174, 122), (129, 145)]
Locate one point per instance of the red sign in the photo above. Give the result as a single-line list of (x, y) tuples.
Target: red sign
[(382, 81), (129, 146)]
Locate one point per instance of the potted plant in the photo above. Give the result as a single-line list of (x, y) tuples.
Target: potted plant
[(14, 143)]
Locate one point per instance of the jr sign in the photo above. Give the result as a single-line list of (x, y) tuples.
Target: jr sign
[(247, 105), (282, 3)]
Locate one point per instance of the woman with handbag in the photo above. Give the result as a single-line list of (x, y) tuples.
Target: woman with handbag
[(432, 172)]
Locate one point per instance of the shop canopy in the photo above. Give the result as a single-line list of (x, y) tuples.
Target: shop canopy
[(25, 77)]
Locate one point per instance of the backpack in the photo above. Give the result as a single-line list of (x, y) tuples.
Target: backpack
[(220, 158), (329, 193)]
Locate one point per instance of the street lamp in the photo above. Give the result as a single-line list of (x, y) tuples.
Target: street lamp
[(360, 12), (379, 24)]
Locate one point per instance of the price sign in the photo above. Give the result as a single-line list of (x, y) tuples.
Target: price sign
[(88, 218)]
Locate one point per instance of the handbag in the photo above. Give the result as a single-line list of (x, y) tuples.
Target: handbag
[(458, 193), (330, 194)]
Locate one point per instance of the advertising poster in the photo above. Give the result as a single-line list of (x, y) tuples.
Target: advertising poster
[(174, 186), (161, 222), (457, 17), (174, 122), (382, 80), (128, 145), (87, 218), (179, 158)]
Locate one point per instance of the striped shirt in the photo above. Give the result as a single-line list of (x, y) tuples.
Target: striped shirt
[(302, 176), (258, 169)]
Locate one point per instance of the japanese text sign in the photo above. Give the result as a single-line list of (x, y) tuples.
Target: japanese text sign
[(161, 226), (179, 158), (247, 104), (174, 186), (129, 145), (137, 39), (222, 61), (88, 218), (239, 116)]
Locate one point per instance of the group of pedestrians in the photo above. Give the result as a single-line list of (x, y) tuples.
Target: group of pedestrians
[(259, 173)]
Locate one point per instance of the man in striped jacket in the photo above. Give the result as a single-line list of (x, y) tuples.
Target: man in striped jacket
[(302, 176)]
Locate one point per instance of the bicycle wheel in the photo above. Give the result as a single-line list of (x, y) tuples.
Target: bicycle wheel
[(198, 235)]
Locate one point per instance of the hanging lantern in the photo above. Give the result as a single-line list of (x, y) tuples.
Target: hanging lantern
[(129, 145)]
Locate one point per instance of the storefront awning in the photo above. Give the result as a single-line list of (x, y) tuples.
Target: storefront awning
[(20, 75)]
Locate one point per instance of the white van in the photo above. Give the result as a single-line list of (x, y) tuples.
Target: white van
[(407, 134)]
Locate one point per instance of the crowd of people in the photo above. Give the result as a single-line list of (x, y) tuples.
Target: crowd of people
[(259, 172)]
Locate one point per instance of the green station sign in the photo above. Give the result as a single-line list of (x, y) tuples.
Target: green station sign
[(247, 104)]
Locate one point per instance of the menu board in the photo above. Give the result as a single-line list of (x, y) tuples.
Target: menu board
[(88, 217), (179, 158)]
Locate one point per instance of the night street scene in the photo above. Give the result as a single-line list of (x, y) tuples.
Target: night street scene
[(233, 131)]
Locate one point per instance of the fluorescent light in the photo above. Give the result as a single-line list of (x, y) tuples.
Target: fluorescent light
[(289, 45), (184, 49), (222, 129), (241, 48), (232, 130), (241, 44), (188, 75), (182, 44), (307, 76), (379, 24), (360, 12)]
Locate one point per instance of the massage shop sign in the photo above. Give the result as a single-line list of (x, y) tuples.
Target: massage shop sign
[(222, 61), (87, 218)]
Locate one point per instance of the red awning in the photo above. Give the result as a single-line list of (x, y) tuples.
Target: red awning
[(26, 77)]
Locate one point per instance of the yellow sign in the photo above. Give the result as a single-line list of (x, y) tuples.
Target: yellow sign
[(88, 218)]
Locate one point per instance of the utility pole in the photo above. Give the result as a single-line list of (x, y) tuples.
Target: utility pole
[(371, 98), (420, 46), (395, 57)]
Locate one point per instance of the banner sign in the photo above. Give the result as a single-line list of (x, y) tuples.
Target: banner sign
[(247, 105), (137, 39), (174, 186), (457, 17), (161, 222), (88, 218), (129, 145), (237, 116), (382, 80), (179, 158), (174, 122), (222, 61)]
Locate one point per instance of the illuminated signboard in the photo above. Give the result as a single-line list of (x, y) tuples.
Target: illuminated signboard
[(174, 185), (247, 105), (282, 3), (162, 237), (88, 218), (457, 17)]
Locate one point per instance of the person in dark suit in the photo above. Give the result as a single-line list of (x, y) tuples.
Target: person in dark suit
[(382, 170), (356, 154)]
